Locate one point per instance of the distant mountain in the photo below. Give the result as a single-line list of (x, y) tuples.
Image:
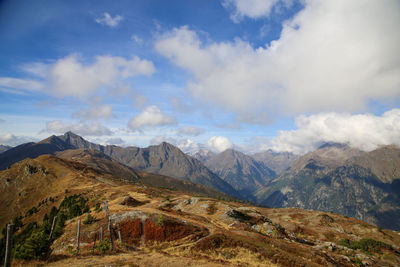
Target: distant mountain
[(168, 160), (4, 148), (241, 171), (203, 155), (384, 162), (332, 179), (188, 227), (32, 150), (276, 161), (106, 165), (164, 159)]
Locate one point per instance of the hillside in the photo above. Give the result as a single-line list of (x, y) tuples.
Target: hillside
[(241, 171), (384, 162), (4, 148), (168, 160), (174, 228), (332, 179), (164, 159)]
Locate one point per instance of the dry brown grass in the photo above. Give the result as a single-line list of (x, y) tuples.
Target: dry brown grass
[(199, 234)]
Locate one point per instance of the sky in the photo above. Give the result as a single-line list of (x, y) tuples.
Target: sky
[(251, 75)]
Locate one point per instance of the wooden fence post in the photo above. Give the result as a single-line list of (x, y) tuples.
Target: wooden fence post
[(111, 234), (7, 260), (101, 234), (78, 236), (94, 241), (105, 207), (52, 227), (119, 235)]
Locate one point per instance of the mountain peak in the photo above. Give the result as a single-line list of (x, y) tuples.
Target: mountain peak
[(332, 144)]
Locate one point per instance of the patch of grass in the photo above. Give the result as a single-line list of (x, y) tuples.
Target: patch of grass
[(366, 245)]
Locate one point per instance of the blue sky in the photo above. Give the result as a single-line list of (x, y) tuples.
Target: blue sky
[(253, 75)]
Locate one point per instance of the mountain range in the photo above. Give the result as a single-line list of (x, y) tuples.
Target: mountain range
[(241, 171), (344, 180), (156, 220), (335, 177)]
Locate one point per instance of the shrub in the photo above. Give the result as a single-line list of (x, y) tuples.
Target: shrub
[(104, 245), (33, 241), (365, 244), (33, 210), (89, 219), (97, 208)]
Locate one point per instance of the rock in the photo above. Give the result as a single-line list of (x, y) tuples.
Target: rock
[(256, 228), (131, 202)]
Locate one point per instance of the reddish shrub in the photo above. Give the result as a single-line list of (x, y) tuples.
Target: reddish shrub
[(131, 231), (166, 229)]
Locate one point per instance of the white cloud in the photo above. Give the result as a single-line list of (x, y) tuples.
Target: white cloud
[(136, 39), (363, 131), (108, 20), (190, 130), (81, 128), (152, 116), (69, 77), (161, 138), (21, 84), (219, 143), (186, 145), (261, 118), (95, 113), (115, 141), (251, 8), (38, 69), (9, 139), (333, 55)]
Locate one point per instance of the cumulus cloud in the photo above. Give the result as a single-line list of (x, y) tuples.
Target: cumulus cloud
[(9, 139), (69, 77), (332, 55), (152, 116), (161, 138), (186, 145), (108, 20), (81, 128), (252, 8), (363, 131), (219, 143), (115, 141), (95, 113), (190, 130)]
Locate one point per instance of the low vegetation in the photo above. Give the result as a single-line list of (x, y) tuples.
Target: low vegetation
[(366, 245), (34, 241)]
